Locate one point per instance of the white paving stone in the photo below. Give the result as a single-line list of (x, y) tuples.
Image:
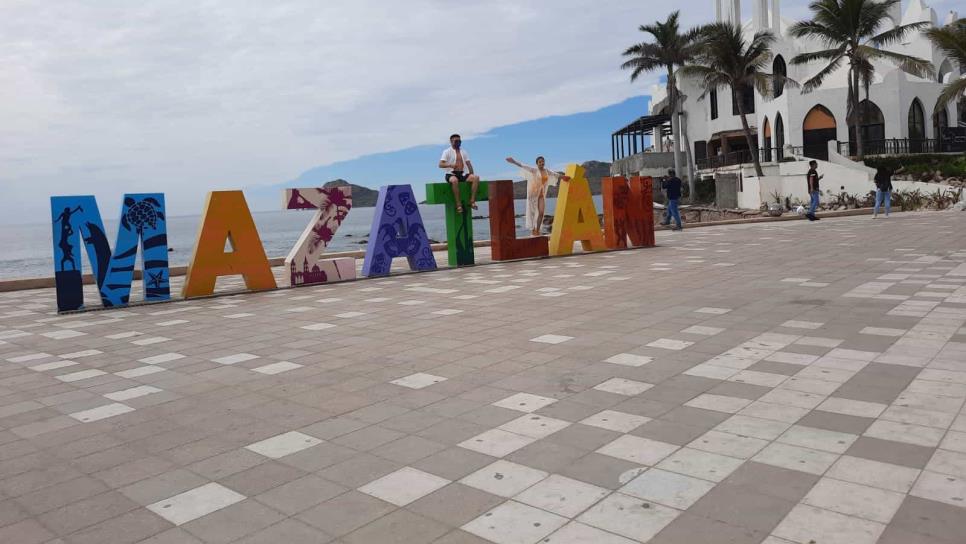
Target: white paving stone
[(623, 386), (616, 421), (504, 478), (404, 486), (235, 359), (418, 380), (284, 444), (629, 359), (563, 496), (525, 402), (277, 368), (497, 442), (667, 488), (132, 393), (874, 473), (196, 503), (796, 458), (579, 533), (551, 339), (854, 499), (514, 523), (534, 426), (101, 412), (81, 375), (629, 517), (700, 464), (718, 403), (805, 524), (635, 449)]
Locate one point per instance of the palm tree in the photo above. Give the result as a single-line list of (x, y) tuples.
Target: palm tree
[(669, 50), (726, 59), (951, 40), (850, 32)]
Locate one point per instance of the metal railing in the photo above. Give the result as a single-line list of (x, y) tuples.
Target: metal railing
[(743, 156), (892, 146)]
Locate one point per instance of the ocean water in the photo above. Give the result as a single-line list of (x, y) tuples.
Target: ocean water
[(26, 250)]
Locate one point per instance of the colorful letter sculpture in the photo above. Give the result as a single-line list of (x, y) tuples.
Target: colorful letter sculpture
[(459, 226), (226, 217), (397, 231), (504, 244), (575, 218), (628, 212), (305, 263), (77, 218)]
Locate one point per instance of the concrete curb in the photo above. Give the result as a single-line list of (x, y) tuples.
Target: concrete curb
[(48, 282)]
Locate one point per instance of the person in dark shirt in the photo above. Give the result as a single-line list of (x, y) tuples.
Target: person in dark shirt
[(672, 188), (813, 178), (883, 191)]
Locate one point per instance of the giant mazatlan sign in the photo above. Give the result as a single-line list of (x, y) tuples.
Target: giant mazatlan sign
[(397, 231)]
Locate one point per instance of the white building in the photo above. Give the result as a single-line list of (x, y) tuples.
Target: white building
[(898, 115)]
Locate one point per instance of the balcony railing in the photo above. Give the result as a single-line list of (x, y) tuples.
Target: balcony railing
[(743, 156), (903, 146)]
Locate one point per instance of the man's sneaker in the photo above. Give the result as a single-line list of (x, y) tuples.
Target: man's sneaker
[(810, 217)]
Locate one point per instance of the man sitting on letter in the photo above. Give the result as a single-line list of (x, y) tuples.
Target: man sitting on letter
[(459, 169)]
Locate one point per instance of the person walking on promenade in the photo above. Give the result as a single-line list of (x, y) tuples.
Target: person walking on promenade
[(459, 169), (538, 180), (813, 178), (883, 191), (672, 188)]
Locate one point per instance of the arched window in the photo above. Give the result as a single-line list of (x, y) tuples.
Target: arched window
[(872, 125), (779, 72), (766, 153), (940, 122), (779, 136), (945, 72), (713, 100), (917, 126), (818, 129)]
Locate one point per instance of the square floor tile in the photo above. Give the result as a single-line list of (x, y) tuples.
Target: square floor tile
[(629, 359), (629, 516), (534, 426), (52, 366), (162, 358), (284, 444), (941, 488), (404, 486), (497, 442), (137, 372), (700, 464), (82, 375), (616, 421), (796, 458), (277, 368), (854, 499), (670, 344), (754, 427), (132, 393), (504, 478), (713, 311), (806, 524), (562, 495), (667, 488), (732, 445), (195, 503), (317, 326), (718, 403), (234, 359), (905, 432), (818, 439), (623, 386), (851, 407), (101, 412), (514, 523), (874, 473), (525, 402), (802, 324), (578, 533), (706, 331), (639, 450), (551, 339), (418, 380)]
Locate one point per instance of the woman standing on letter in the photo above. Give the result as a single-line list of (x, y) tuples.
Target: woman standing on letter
[(538, 179)]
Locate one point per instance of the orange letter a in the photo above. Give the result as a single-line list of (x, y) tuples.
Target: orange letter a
[(226, 217)]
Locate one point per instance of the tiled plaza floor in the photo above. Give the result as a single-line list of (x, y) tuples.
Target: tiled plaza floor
[(792, 382)]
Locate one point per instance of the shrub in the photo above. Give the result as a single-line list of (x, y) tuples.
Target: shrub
[(920, 165)]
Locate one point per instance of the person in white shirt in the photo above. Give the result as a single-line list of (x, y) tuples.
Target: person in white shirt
[(459, 169), (538, 179)]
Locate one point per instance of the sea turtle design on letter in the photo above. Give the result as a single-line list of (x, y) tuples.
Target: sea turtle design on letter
[(141, 213)]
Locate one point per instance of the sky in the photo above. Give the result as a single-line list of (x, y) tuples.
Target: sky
[(187, 96)]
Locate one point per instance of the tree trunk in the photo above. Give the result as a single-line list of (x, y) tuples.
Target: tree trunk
[(753, 148), (672, 95), (856, 116), (687, 150)]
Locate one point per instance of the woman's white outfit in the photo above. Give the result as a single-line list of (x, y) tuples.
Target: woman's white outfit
[(537, 189)]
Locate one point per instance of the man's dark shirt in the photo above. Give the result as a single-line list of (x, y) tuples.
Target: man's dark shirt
[(812, 178), (673, 187)]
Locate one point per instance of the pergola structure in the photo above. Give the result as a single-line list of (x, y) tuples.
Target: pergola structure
[(630, 139)]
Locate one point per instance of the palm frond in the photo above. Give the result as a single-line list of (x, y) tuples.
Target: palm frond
[(953, 91), (897, 34), (907, 63)]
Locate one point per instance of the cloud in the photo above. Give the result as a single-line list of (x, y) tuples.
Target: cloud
[(187, 96)]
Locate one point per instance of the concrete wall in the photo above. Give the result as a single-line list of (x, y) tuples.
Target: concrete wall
[(643, 164)]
